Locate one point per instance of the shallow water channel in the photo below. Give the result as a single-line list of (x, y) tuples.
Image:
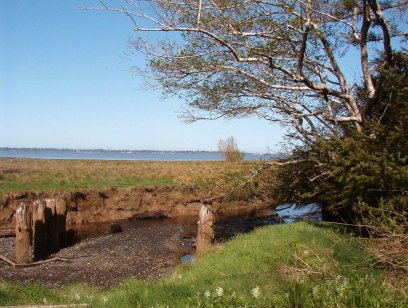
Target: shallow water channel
[(104, 254), (225, 228), (187, 225)]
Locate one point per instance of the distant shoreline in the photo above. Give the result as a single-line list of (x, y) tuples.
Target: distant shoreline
[(7, 149), (56, 150), (66, 150), (102, 154)]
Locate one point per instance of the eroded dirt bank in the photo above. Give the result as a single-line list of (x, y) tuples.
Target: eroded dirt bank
[(88, 206), (148, 248)]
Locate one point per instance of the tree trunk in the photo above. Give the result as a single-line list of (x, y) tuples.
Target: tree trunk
[(24, 235), (205, 232)]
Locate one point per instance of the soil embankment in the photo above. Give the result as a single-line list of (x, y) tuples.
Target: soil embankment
[(89, 206), (148, 248)]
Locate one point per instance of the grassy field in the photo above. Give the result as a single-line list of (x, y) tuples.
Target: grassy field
[(17, 175), (298, 265)]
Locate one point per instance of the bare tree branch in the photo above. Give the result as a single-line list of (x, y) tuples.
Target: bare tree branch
[(275, 59)]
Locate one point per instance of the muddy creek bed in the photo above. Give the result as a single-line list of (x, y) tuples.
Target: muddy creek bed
[(145, 249)]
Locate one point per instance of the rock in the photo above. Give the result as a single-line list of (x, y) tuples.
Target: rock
[(115, 228)]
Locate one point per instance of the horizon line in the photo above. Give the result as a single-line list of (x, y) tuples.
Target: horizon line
[(112, 150)]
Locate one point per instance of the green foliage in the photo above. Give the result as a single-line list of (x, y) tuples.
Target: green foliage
[(277, 266), (367, 168), (11, 293), (233, 187), (362, 179), (90, 183)]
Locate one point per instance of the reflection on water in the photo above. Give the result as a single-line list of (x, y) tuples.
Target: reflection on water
[(224, 228), (292, 212), (187, 225), (284, 213), (187, 259)]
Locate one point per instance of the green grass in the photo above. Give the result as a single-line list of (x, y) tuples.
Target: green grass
[(19, 175), (55, 185), (298, 265)]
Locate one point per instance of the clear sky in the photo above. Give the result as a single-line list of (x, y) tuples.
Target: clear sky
[(64, 83)]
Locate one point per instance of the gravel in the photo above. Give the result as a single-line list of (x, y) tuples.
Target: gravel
[(148, 251)]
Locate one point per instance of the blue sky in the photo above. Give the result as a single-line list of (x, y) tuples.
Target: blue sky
[(64, 83)]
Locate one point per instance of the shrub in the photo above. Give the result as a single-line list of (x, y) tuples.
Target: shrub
[(229, 149)]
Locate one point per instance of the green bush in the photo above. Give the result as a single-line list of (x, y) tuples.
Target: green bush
[(369, 167)]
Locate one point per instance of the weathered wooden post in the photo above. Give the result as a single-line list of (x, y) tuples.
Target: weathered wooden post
[(55, 219), (39, 230), (56, 223), (61, 220), (24, 235), (205, 232), (50, 225)]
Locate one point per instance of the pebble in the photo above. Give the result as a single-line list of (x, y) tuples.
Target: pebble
[(144, 253)]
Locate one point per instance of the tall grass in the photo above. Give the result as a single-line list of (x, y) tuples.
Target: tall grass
[(299, 265), (17, 175)]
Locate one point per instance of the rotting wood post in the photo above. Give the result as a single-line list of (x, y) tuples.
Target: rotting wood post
[(55, 220), (50, 225), (39, 230), (205, 232), (61, 220), (24, 235)]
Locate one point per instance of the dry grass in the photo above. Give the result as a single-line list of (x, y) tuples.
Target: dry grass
[(18, 175)]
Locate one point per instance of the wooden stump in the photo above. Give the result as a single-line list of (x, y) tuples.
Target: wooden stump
[(205, 232), (56, 212), (61, 221), (24, 234), (50, 225), (39, 230)]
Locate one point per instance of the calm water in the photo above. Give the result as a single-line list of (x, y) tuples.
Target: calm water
[(170, 156), (225, 228)]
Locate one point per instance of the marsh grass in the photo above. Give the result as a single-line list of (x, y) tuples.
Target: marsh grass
[(17, 175), (267, 268)]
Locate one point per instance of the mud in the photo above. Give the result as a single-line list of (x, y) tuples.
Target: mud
[(123, 203), (146, 249), (157, 227)]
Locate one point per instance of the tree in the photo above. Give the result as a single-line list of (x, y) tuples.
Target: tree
[(289, 61), (280, 60), (364, 175), (229, 149)]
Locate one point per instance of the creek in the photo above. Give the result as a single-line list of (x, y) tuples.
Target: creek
[(225, 228), (104, 254)]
